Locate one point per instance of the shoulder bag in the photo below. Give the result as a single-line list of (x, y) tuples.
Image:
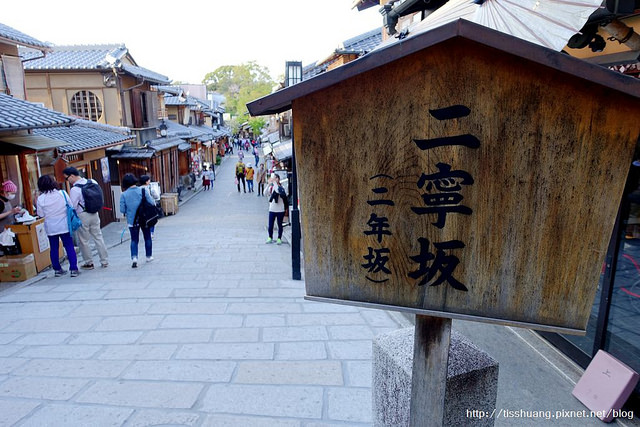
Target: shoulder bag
[(73, 220)]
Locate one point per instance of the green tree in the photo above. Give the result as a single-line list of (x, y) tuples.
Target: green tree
[(257, 123), (239, 84)]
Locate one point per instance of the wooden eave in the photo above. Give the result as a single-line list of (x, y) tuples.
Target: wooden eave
[(281, 101)]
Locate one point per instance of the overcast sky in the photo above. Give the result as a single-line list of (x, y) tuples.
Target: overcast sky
[(186, 43)]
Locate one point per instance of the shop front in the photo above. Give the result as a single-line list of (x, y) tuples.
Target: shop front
[(614, 322)]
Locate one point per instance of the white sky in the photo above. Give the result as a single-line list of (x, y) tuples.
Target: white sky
[(185, 40)]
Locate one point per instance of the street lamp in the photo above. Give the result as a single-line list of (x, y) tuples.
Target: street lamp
[(293, 75)]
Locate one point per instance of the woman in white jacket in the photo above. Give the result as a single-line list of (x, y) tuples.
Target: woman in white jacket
[(51, 206)]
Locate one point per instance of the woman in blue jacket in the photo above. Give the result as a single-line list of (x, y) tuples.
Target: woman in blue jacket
[(130, 200)]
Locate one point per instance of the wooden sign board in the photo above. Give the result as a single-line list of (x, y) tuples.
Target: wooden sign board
[(460, 180), (463, 181)]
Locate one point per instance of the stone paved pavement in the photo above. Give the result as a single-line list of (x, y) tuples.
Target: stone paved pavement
[(214, 333), (211, 333)]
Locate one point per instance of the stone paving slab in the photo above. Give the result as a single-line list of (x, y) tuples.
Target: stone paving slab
[(153, 417), (148, 394), (302, 372), (42, 387), (265, 400), (12, 411), (67, 415)]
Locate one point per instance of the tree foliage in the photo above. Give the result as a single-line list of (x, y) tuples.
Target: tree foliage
[(239, 84), (257, 123)]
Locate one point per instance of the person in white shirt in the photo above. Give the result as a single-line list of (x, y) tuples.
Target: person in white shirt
[(52, 207), (90, 221), (277, 206)]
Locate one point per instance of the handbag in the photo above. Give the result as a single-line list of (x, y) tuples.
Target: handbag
[(73, 220), (147, 213)]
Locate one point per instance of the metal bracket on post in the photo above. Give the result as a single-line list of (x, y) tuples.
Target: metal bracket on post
[(429, 374)]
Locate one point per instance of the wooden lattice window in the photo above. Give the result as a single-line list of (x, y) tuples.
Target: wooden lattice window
[(86, 104)]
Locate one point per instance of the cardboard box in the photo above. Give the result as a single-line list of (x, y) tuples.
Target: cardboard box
[(33, 240), (17, 268)]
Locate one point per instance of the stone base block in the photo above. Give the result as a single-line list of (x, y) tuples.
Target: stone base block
[(472, 381)]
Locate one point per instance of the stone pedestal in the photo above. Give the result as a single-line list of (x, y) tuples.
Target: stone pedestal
[(472, 381)]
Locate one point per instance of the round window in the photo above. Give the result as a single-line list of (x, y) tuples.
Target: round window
[(86, 105)]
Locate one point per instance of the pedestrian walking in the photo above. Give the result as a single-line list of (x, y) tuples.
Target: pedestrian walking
[(240, 155), (145, 183), (249, 176), (261, 177), (87, 200), (52, 206), (256, 155), (130, 200), (206, 179), (277, 207), (240, 175)]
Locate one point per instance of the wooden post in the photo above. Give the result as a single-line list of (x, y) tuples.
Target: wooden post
[(429, 375)]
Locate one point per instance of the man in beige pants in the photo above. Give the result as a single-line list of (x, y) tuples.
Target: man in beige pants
[(90, 221)]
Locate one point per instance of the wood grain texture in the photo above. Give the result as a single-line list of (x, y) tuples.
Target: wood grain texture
[(548, 176)]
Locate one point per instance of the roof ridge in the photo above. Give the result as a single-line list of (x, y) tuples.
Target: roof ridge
[(83, 47)]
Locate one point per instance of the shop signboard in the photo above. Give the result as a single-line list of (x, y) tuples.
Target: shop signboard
[(462, 173)]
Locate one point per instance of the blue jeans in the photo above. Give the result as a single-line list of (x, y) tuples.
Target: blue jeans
[(250, 184), (135, 238), (67, 242), (273, 216)]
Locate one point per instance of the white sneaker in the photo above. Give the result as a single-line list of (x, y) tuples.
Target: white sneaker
[(149, 258), (134, 262)]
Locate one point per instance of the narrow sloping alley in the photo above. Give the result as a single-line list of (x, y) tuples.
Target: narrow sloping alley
[(212, 332)]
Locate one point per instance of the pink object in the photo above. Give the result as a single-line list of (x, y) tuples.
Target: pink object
[(605, 385), (9, 187)]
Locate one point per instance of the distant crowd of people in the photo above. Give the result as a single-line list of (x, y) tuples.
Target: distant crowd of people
[(85, 200)]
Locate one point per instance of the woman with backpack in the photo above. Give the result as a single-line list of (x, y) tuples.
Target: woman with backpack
[(52, 206), (130, 201)]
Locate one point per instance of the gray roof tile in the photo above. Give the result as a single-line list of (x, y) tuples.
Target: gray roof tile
[(362, 43), (18, 114), (86, 57), (8, 33), (86, 135), (89, 57), (146, 74)]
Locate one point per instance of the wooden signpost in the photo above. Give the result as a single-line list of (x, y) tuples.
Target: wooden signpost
[(461, 173)]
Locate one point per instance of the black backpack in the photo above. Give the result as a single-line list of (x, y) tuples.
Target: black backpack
[(92, 195), (147, 213)]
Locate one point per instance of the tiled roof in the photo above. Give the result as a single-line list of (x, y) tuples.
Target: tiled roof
[(128, 152), (12, 35), (86, 135), (144, 73), (18, 114), (179, 100), (87, 57), (184, 132), (362, 43), (160, 144), (358, 45), (174, 90)]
